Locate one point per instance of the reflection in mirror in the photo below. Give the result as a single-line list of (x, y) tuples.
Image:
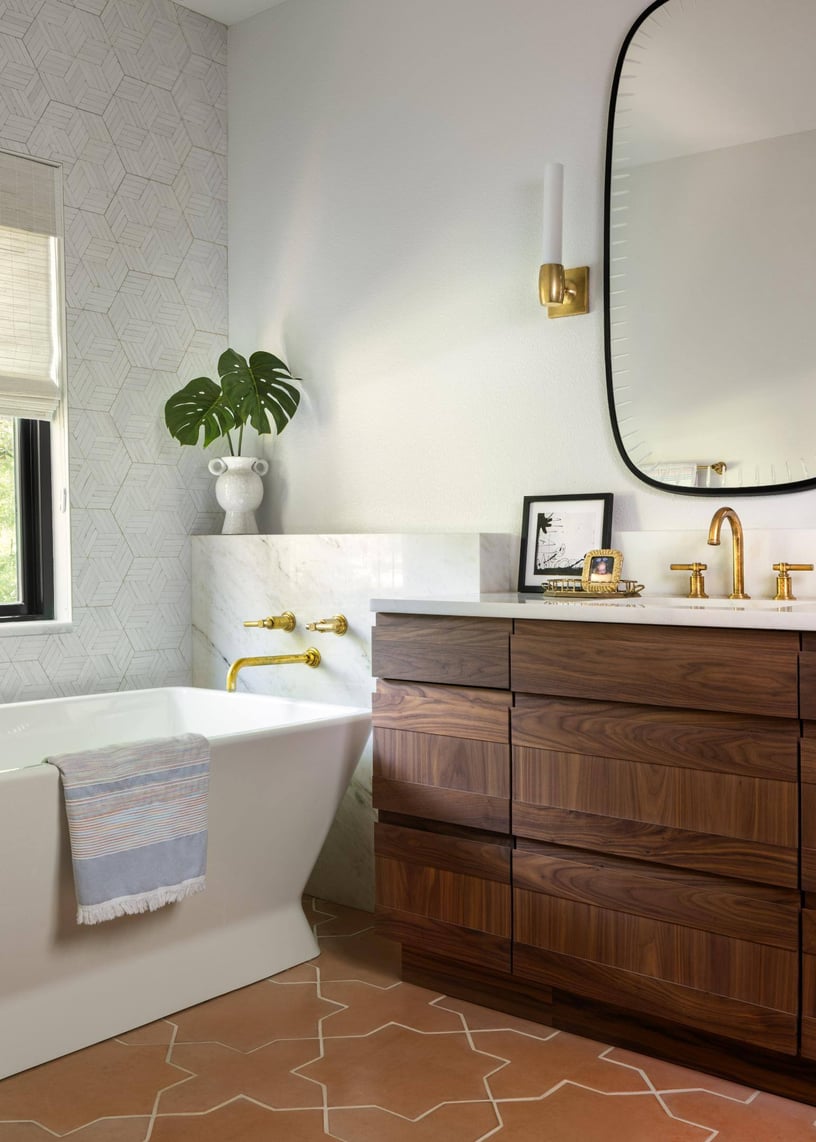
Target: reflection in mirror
[(711, 246)]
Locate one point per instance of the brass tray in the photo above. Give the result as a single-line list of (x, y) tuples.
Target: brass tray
[(574, 589)]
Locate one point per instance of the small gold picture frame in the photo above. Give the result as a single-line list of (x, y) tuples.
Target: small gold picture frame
[(602, 570)]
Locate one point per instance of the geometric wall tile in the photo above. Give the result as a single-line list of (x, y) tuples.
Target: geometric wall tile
[(113, 90)]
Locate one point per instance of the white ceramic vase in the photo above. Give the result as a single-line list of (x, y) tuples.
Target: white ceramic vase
[(239, 491)]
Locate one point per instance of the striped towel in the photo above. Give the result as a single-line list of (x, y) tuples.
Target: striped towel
[(137, 820)]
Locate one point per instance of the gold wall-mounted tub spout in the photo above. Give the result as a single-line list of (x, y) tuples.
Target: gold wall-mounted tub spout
[(310, 658), (337, 625), (737, 556)]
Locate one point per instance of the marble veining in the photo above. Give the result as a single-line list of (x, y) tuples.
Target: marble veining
[(316, 576)]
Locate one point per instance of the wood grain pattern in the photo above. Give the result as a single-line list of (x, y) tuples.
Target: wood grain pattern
[(808, 1029), (431, 648), (723, 804), (732, 1018), (753, 672), (437, 850), (472, 810), (743, 911), (691, 739), (449, 940), (467, 901), (807, 679), (705, 961), (723, 856), (453, 711), (444, 762), (808, 797)]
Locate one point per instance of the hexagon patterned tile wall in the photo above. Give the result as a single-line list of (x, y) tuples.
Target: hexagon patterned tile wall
[(130, 96)]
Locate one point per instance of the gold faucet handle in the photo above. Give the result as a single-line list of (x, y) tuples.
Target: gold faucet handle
[(337, 625), (286, 621), (783, 579), (696, 580)]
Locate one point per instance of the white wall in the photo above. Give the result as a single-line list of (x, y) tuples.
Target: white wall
[(385, 183)]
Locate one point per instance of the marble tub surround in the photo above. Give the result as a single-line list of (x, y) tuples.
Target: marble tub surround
[(241, 577)]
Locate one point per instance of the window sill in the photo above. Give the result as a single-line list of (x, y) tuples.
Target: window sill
[(37, 626)]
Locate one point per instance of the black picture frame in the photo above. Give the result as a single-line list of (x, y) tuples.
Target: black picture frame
[(556, 533)]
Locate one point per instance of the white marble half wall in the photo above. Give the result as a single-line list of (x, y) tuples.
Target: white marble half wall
[(238, 577)]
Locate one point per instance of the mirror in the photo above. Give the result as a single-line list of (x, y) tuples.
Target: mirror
[(711, 247)]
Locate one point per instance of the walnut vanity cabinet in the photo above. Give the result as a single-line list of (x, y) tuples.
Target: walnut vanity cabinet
[(652, 785)]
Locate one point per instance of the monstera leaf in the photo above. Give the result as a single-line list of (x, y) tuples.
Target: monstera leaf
[(253, 392), (259, 389), (200, 404)]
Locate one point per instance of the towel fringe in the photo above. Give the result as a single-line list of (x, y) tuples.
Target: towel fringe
[(139, 902)]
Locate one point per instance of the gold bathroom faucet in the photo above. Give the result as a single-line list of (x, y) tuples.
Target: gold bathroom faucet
[(737, 555), (310, 658)]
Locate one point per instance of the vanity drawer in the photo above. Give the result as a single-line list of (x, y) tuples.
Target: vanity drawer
[(704, 951), (431, 648), (808, 1047), (742, 671), (442, 778), (452, 711), (690, 790), (446, 893), (809, 807)]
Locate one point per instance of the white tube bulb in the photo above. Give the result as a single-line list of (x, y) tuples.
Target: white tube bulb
[(552, 248)]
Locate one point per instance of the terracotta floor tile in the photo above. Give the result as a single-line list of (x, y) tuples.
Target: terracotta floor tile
[(222, 1074), (367, 957), (765, 1119), (368, 1008), (151, 1035), (104, 1130), (537, 1065), (401, 1070), (301, 973), (459, 1122), (254, 1015), (106, 1080), (242, 1121), (572, 1114), (671, 1076), (338, 920), (484, 1019)]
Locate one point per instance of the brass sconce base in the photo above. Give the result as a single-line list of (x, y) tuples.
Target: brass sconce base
[(565, 293)]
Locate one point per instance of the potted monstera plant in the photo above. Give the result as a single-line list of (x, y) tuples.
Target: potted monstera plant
[(258, 392)]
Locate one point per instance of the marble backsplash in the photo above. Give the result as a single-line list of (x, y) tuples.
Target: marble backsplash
[(239, 577)]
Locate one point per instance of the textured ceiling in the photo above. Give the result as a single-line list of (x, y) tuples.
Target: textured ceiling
[(229, 11)]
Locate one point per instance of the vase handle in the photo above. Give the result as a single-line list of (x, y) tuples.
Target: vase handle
[(260, 466), (217, 467)]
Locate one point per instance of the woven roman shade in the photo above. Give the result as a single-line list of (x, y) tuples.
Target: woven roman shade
[(30, 296)]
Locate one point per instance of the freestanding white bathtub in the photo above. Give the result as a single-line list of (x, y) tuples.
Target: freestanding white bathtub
[(279, 769)]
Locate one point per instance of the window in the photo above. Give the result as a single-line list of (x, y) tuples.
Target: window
[(31, 366)]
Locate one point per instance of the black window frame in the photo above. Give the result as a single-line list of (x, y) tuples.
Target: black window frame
[(36, 533)]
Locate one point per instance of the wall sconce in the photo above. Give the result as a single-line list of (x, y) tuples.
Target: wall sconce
[(564, 292)]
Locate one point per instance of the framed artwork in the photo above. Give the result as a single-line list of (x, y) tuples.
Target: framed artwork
[(602, 570), (556, 534)]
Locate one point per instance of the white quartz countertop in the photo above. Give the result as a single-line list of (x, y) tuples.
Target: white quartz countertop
[(657, 610)]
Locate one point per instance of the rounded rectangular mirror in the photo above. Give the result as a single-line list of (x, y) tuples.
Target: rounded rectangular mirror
[(711, 247)]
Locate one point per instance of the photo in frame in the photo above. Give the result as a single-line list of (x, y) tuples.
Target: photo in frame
[(602, 570), (556, 534)]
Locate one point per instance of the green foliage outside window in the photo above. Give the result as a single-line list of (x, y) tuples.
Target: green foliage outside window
[(8, 522)]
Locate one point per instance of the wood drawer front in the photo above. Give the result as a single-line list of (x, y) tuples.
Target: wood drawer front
[(689, 966), (453, 711), (446, 894), (807, 678), (459, 780), (431, 648), (764, 1027), (754, 672), (757, 913), (808, 1048), (808, 748), (692, 739), (748, 824)]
